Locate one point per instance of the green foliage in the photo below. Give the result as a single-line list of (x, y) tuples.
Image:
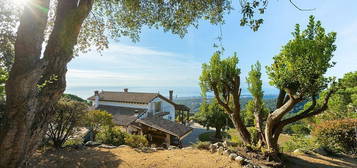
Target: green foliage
[(95, 119), (249, 9), (298, 128), (210, 136), (234, 137), (300, 142), (74, 97), (73, 141), (202, 145), (114, 136), (67, 116), (256, 105), (111, 135), (220, 73), (337, 135), (3, 78), (255, 83), (300, 67), (343, 104), (212, 115), (114, 19), (136, 141)]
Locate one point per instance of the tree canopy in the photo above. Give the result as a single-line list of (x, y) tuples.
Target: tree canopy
[(212, 115), (300, 66)]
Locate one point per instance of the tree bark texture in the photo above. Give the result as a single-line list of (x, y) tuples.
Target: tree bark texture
[(27, 103)]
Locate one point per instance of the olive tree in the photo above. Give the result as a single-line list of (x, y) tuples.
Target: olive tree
[(68, 114), (298, 72)]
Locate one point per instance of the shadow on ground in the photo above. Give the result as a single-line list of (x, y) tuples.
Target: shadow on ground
[(319, 161), (63, 158)]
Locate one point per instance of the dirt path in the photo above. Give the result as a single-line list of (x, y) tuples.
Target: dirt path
[(126, 157)]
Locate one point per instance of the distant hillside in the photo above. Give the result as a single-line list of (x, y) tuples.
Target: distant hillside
[(194, 102), (270, 100)]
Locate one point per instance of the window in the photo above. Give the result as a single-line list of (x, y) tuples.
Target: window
[(157, 106)]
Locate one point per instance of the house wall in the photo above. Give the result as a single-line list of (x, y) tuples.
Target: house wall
[(131, 105), (165, 107)]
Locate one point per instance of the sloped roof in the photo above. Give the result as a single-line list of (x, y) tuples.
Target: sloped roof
[(135, 97), (182, 107), (167, 126), (129, 97), (122, 115)]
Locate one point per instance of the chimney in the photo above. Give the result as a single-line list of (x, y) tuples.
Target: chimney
[(96, 99), (125, 89), (171, 92)]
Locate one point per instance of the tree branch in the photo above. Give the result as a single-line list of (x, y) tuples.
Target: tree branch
[(297, 7), (307, 113), (219, 100), (280, 99)]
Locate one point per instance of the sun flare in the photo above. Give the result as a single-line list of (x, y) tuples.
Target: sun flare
[(20, 2)]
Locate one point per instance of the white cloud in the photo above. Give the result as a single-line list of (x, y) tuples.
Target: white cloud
[(125, 65)]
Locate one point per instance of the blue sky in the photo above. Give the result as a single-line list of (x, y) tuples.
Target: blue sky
[(162, 61)]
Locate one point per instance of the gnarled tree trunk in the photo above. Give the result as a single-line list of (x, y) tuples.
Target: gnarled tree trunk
[(29, 94), (275, 123)]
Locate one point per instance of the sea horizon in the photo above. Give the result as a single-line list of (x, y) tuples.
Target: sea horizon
[(179, 92)]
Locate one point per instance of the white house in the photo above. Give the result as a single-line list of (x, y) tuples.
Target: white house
[(149, 114)]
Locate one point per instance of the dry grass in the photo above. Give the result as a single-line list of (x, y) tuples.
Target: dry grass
[(316, 160), (126, 157)]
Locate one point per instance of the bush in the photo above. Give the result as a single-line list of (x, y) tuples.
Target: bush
[(299, 142), (73, 141), (210, 136), (67, 116), (202, 145), (337, 135), (111, 136), (234, 137), (96, 119), (136, 141), (299, 128)]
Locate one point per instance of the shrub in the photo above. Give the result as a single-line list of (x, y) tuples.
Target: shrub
[(234, 137), (96, 119), (210, 136), (202, 145), (136, 141), (111, 135), (73, 141), (67, 116), (254, 134), (299, 128), (337, 135), (299, 142)]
